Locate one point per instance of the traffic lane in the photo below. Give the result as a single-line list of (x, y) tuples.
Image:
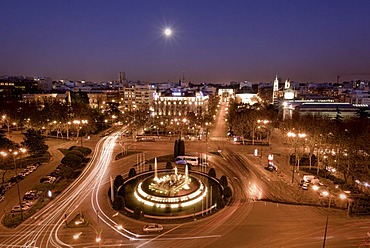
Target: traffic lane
[(279, 225), (118, 167)]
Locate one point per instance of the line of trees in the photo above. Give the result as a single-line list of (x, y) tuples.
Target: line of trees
[(340, 143)]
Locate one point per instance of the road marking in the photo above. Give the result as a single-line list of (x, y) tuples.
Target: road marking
[(160, 235)]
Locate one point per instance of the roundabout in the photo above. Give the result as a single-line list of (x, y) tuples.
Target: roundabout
[(170, 194)]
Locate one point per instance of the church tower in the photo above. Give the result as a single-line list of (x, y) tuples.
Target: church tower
[(275, 89)]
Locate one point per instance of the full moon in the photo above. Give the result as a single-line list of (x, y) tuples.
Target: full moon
[(167, 32)]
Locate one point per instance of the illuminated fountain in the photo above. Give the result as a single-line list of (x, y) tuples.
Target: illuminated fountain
[(170, 189)]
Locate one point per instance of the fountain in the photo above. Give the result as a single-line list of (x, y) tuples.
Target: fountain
[(170, 190)]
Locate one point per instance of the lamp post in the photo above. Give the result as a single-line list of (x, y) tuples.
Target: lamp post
[(15, 153), (206, 140), (79, 124), (7, 123), (3, 154), (68, 125), (113, 117), (326, 194), (296, 160), (23, 151)]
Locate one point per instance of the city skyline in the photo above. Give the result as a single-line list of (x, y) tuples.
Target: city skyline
[(211, 41)]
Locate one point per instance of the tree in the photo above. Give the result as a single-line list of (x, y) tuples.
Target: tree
[(132, 172), (84, 150), (71, 160), (179, 148), (118, 203), (361, 113), (114, 192), (223, 181), (121, 191), (77, 153), (169, 165), (220, 202), (176, 149), (227, 192), (5, 143), (118, 181), (338, 117), (34, 142), (212, 172)]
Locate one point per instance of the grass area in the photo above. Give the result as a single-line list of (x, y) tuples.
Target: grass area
[(12, 220), (78, 221), (63, 151)]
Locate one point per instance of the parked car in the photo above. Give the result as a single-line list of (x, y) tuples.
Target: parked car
[(31, 168), (6, 186), (30, 195), (152, 227), (27, 203), (305, 186), (17, 208), (55, 173), (47, 179)]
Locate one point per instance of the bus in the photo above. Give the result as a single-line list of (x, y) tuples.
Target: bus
[(183, 160)]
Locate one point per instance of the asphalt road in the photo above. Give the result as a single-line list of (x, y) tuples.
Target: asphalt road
[(248, 221)]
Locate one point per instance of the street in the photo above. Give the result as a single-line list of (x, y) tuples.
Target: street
[(266, 210)]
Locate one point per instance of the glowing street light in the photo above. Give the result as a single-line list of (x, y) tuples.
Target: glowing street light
[(326, 194), (77, 235), (296, 159)]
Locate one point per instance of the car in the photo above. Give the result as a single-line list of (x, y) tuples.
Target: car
[(30, 195), (152, 227), (305, 186), (27, 203), (270, 168), (31, 168), (6, 186), (25, 172), (17, 208), (54, 173), (48, 179)]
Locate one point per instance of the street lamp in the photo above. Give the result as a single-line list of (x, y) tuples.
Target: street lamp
[(22, 151), (77, 235), (7, 123), (79, 124), (293, 136), (15, 153), (68, 125), (327, 194), (206, 140)]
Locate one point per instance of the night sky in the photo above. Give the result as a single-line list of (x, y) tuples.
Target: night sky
[(213, 41)]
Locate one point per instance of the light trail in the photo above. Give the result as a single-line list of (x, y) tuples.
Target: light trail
[(42, 229)]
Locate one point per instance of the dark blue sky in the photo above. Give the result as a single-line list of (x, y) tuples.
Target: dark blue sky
[(213, 41)]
